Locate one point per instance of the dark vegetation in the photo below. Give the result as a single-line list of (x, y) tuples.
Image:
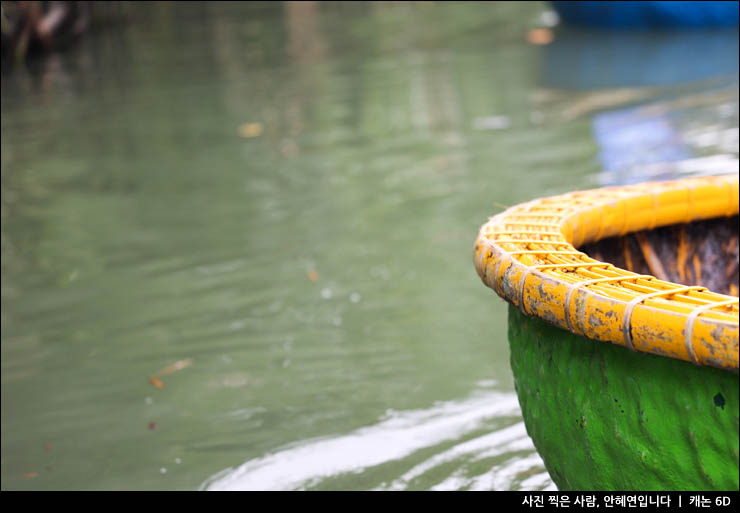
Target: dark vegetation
[(36, 28)]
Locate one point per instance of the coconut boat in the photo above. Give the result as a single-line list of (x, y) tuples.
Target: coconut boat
[(625, 350)]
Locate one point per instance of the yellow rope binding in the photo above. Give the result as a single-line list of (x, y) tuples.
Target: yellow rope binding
[(528, 255)]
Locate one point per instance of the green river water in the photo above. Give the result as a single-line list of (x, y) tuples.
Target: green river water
[(284, 198)]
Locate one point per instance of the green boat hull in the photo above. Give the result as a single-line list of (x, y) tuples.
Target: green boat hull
[(606, 418)]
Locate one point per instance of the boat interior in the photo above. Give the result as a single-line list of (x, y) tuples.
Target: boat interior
[(703, 253)]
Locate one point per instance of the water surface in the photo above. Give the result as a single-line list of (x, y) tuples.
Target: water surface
[(284, 198)]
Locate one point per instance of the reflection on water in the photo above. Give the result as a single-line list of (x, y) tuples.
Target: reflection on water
[(687, 135), (660, 142), (478, 443), (597, 59), (286, 196)]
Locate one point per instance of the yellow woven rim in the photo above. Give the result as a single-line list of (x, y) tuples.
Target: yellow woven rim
[(527, 255)]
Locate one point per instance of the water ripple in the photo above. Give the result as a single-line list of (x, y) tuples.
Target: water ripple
[(502, 459)]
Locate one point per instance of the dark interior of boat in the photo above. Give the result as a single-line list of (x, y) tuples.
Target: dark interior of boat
[(701, 253)]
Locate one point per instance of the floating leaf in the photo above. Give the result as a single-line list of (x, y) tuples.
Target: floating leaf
[(156, 382), (249, 130), (540, 36), (174, 367)]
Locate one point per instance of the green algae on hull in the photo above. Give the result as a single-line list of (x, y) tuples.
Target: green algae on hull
[(605, 418)]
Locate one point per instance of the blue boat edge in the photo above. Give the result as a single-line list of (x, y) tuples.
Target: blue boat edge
[(648, 14)]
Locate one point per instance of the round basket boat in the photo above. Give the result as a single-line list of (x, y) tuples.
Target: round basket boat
[(625, 351)]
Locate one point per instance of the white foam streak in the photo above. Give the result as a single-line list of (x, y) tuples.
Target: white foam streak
[(486, 446), (394, 438)]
